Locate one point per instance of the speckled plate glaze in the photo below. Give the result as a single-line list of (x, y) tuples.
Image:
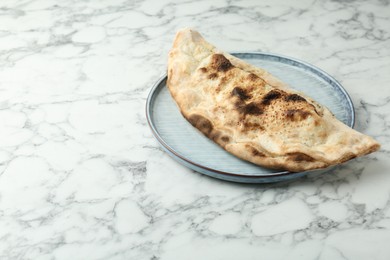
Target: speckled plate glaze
[(188, 146)]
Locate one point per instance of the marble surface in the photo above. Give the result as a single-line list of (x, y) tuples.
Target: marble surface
[(81, 176)]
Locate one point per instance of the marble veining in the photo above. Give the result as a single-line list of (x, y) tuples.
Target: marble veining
[(81, 176)]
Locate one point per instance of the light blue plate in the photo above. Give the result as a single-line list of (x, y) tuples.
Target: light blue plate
[(188, 146)]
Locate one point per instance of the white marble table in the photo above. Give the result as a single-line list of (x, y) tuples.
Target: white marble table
[(81, 176)]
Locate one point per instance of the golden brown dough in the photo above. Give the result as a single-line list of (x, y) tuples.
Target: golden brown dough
[(252, 114)]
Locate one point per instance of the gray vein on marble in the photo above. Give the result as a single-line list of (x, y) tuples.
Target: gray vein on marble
[(82, 177)]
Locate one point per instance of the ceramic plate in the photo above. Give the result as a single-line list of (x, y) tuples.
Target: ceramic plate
[(188, 146)]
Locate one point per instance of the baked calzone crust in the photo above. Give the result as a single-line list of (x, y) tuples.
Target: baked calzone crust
[(252, 114)]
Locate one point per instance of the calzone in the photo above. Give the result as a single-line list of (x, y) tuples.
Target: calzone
[(254, 115)]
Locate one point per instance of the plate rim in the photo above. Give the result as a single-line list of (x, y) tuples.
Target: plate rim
[(312, 68)]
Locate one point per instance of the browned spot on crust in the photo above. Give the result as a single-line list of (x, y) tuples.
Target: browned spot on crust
[(225, 138), (273, 94), (213, 76), (214, 135), (255, 152), (239, 92), (252, 126), (203, 69), (294, 98), (252, 109), (249, 109), (202, 123), (223, 80), (252, 77), (206, 127), (299, 157), (220, 63), (297, 114)]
